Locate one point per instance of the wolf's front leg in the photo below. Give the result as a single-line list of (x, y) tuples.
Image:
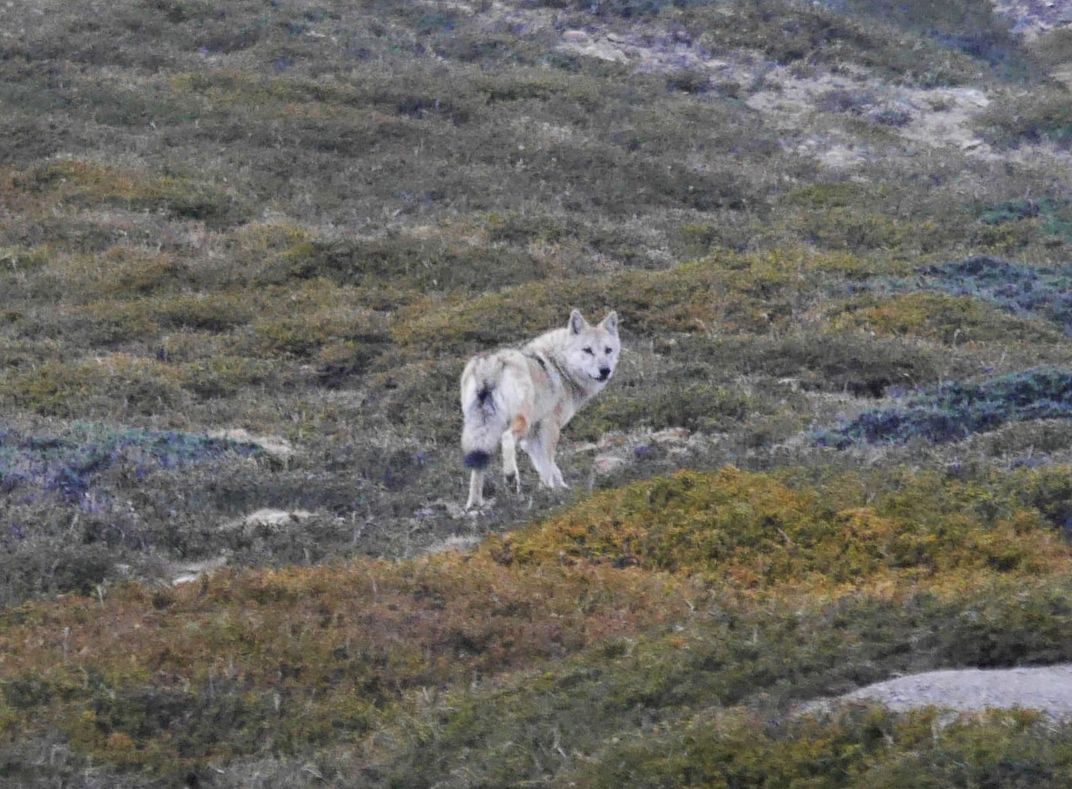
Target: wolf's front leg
[(557, 476), (551, 434), (538, 446), (476, 490)]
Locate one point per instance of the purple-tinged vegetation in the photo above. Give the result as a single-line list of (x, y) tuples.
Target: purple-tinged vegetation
[(69, 465), (957, 410), (1020, 289)]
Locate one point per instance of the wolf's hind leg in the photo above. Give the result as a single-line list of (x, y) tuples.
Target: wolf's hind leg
[(476, 490), (509, 456)]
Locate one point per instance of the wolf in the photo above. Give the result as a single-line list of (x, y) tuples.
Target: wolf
[(527, 395)]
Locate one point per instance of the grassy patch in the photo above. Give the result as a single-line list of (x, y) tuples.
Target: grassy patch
[(613, 701), (118, 382), (876, 40), (727, 292), (587, 620), (860, 745), (856, 362), (302, 655), (947, 319), (78, 183)]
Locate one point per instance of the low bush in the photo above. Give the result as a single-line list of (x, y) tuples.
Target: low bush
[(285, 659), (861, 744), (624, 707), (1045, 292), (749, 532), (299, 659), (746, 293), (856, 362)]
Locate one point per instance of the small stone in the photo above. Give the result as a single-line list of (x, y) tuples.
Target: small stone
[(270, 517), (671, 435), (266, 519), (191, 571), (456, 542), (608, 464), (275, 447)]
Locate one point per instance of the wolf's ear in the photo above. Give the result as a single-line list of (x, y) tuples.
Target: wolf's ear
[(577, 323), (610, 323)]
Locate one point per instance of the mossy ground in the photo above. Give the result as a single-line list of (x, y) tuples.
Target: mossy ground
[(298, 219), (661, 600)]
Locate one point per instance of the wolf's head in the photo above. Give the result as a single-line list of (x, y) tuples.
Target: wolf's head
[(592, 351)]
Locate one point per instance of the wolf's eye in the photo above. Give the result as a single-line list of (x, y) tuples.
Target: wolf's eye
[(588, 351), (606, 350)]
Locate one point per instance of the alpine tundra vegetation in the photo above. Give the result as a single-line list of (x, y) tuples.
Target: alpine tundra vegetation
[(247, 248)]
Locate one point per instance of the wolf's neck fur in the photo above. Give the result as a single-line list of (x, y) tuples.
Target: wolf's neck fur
[(549, 346)]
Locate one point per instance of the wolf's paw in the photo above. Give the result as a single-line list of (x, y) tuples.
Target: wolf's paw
[(513, 480), (474, 506)]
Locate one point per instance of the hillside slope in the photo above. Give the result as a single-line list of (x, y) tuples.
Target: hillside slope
[(246, 249)]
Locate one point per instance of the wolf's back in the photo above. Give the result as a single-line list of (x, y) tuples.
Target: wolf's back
[(491, 397)]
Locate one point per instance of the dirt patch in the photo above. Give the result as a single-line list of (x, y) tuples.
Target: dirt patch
[(1031, 18), (930, 116), (652, 50)]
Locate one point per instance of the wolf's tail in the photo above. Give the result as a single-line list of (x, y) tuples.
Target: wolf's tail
[(488, 410)]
